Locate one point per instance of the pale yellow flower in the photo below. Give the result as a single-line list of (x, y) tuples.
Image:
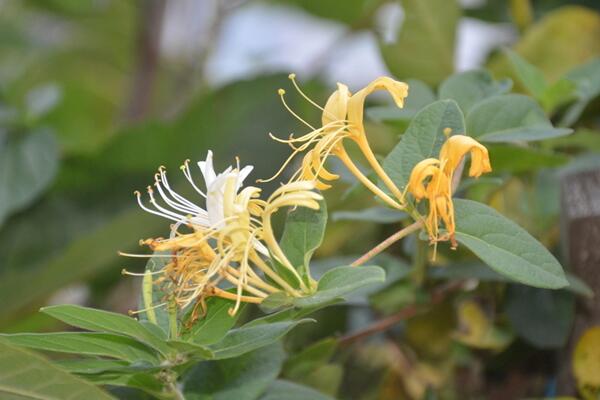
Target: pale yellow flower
[(342, 118)]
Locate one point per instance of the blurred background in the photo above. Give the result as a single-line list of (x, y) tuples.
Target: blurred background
[(95, 95)]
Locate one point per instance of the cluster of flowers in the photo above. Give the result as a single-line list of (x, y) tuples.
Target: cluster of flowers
[(231, 238)]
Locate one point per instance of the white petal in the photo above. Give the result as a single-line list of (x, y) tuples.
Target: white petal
[(243, 174), (207, 169)]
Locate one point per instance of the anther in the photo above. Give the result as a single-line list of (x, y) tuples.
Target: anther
[(281, 92), (447, 131), (292, 76)]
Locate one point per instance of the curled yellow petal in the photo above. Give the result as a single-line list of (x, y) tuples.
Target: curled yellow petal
[(456, 147), (398, 90), (423, 170)]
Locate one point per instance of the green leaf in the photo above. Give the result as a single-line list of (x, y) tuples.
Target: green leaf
[(424, 47), (245, 339), (285, 390), (27, 166), (91, 366), (423, 138), (379, 215), (341, 281), (559, 93), (587, 83), (100, 344), (301, 364), (291, 313), (240, 378), (510, 118), (529, 75), (470, 87), (302, 235), (26, 375), (506, 247), (212, 327), (542, 317), (104, 321), (578, 286), (197, 351)]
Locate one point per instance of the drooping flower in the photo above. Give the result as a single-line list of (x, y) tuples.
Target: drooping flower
[(342, 119), (432, 179), (228, 240)]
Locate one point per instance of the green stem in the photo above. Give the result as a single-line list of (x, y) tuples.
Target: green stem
[(173, 332), (419, 271)]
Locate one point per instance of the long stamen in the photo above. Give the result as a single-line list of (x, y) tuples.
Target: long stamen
[(174, 204), (162, 209), (185, 168), (151, 211), (177, 196), (132, 312), (125, 272), (281, 93)]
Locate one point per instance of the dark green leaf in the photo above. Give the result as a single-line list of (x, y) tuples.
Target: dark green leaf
[(27, 166), (104, 321), (318, 354), (285, 390), (341, 281), (25, 375), (100, 344), (423, 138), (240, 378), (542, 317), (212, 327), (247, 338), (510, 118), (302, 235), (192, 349), (471, 87), (506, 247), (91, 366)]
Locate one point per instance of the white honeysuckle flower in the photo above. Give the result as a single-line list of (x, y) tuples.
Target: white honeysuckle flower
[(183, 211)]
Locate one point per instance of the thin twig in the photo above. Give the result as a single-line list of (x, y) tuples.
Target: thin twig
[(387, 243), (438, 295)]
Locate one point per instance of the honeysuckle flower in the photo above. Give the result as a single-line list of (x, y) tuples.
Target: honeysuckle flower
[(432, 179), (342, 118), (231, 239), (456, 147)]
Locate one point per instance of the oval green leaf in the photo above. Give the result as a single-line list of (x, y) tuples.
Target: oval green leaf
[(506, 247)]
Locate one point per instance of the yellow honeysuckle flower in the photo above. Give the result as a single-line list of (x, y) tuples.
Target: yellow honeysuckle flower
[(432, 179), (342, 118), (456, 147), (230, 241)]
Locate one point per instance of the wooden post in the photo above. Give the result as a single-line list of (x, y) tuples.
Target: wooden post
[(580, 231)]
